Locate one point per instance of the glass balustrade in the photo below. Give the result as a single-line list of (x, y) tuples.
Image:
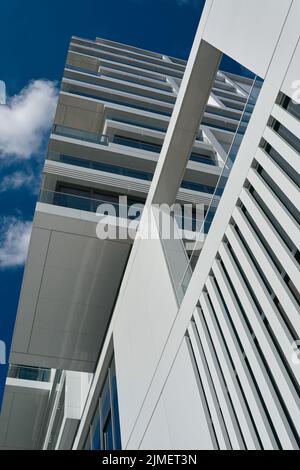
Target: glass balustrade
[(174, 228), (99, 205), (123, 171), (80, 134), (110, 205), (36, 374), (99, 166), (180, 264), (120, 140), (231, 156)]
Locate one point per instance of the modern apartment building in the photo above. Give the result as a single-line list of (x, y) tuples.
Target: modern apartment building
[(157, 342)]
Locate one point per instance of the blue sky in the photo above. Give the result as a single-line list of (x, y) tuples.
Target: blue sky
[(34, 39)]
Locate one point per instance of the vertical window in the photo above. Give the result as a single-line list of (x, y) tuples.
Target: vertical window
[(115, 406), (104, 432), (95, 432)]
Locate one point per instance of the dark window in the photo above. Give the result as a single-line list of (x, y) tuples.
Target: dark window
[(288, 136), (204, 188), (292, 107), (95, 432), (118, 139), (104, 432)]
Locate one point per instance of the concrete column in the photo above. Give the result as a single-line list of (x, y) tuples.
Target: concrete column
[(184, 125)]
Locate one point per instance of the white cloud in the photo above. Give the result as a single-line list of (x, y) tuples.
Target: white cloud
[(14, 241), (18, 180), (26, 119)]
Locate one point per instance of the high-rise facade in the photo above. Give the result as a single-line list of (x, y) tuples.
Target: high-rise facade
[(156, 342)]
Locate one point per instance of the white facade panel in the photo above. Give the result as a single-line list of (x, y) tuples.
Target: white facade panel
[(232, 26), (184, 410), (145, 313)]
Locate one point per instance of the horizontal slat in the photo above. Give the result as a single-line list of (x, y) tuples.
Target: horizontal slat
[(287, 120), (209, 390), (276, 207), (284, 149), (257, 410), (262, 379), (126, 183), (111, 93), (278, 326), (277, 245), (220, 386), (241, 410), (277, 367), (94, 176), (269, 269), (286, 185)]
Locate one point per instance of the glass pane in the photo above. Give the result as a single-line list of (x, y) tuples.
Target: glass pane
[(290, 138), (108, 434), (95, 431), (115, 405), (231, 155), (87, 445), (105, 401)]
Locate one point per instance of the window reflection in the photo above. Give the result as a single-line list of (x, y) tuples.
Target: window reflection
[(104, 432)]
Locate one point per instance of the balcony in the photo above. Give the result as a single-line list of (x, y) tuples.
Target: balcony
[(24, 406), (70, 285), (129, 100), (73, 133), (66, 404), (36, 374), (106, 140), (97, 205)]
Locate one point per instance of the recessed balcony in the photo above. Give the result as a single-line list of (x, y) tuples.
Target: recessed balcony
[(24, 406)]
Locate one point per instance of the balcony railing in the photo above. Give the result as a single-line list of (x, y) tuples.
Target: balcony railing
[(113, 207), (119, 140), (231, 156), (36, 374), (123, 171), (139, 123), (80, 134), (100, 166), (88, 204)]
